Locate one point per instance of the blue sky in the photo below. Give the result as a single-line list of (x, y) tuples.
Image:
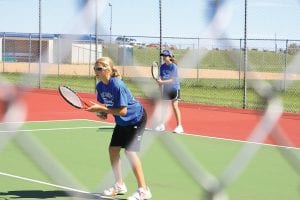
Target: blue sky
[(141, 17)]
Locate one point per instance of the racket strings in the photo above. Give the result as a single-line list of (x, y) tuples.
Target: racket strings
[(71, 97), (155, 70)]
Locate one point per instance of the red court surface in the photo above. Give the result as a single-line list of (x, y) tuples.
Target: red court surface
[(212, 121)]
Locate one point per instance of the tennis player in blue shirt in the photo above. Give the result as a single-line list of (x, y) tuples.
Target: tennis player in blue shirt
[(169, 81), (130, 118)]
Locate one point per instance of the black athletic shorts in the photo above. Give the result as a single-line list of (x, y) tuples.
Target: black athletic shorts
[(171, 94), (129, 137)]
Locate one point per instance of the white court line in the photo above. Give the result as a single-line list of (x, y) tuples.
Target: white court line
[(242, 141), (59, 120), (44, 183), (55, 129), (55, 185), (186, 134)]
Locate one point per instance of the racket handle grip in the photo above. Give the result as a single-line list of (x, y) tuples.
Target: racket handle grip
[(102, 115)]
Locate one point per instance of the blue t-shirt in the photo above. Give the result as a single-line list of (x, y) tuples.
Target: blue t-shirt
[(115, 95), (169, 71)]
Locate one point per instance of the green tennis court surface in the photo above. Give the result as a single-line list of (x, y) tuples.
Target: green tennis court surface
[(74, 154)]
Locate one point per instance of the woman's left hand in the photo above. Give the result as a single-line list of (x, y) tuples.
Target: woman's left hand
[(95, 107), (159, 81)]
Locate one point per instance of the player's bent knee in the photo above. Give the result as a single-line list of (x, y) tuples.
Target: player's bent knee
[(114, 150)]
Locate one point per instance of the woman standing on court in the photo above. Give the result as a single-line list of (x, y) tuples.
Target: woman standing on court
[(130, 117), (170, 85)]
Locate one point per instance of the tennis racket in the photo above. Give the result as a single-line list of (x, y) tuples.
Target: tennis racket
[(71, 97), (155, 70), (76, 101)]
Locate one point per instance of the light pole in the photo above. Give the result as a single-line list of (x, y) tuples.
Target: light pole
[(110, 32)]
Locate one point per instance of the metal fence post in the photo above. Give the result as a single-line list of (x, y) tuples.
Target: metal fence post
[(90, 57), (245, 59), (240, 62), (123, 57), (29, 56), (198, 39), (3, 52), (285, 63), (58, 56), (40, 43), (160, 31)]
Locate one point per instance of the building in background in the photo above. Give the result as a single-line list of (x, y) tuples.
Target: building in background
[(56, 48)]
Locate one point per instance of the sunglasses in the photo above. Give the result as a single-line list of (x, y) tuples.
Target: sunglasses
[(99, 69)]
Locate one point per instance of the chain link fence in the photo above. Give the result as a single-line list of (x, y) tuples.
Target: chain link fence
[(212, 71), (220, 71)]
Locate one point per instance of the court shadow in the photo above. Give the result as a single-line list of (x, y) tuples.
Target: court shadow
[(40, 194), (105, 128)]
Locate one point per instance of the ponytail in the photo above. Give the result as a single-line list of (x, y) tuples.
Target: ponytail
[(173, 60), (115, 72)]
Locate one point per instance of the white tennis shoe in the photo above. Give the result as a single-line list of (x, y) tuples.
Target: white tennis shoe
[(141, 194), (178, 129), (160, 127), (116, 189)]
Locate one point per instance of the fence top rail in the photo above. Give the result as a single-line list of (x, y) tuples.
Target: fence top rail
[(47, 36), (92, 36)]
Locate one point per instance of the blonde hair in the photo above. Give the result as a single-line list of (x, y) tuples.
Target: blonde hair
[(108, 62)]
